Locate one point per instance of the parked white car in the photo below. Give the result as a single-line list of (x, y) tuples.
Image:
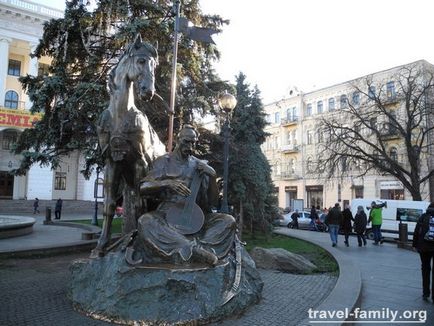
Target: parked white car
[(405, 211), (303, 220)]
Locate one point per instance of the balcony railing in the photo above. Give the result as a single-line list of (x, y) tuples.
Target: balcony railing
[(34, 7), (390, 99), (289, 121), (290, 148), (286, 175), (388, 132)]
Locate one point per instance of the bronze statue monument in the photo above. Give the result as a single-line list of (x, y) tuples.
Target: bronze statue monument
[(180, 263), (184, 228), (127, 140)]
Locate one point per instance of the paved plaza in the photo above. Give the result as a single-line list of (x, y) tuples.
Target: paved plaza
[(37, 295), (34, 290)]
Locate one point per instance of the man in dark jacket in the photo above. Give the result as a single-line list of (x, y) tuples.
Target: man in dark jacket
[(423, 241), (333, 220), (360, 221), (294, 218), (58, 209)]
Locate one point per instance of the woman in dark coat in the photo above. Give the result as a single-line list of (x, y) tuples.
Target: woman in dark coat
[(360, 222), (346, 224), (423, 241)]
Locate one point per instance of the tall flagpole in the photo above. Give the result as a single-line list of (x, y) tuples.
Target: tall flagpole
[(176, 9)]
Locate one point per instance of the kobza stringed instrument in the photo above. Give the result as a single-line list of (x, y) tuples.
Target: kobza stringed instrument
[(186, 216)]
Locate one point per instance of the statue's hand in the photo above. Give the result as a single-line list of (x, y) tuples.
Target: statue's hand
[(202, 167), (178, 187)]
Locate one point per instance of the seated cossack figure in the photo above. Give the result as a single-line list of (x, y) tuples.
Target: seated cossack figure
[(183, 228)]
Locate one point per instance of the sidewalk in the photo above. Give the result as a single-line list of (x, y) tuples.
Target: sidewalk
[(37, 293), (391, 277), (49, 237)]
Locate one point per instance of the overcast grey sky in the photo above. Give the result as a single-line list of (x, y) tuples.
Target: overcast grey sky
[(316, 43)]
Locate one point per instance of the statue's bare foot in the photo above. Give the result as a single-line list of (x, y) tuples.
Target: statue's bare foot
[(205, 256), (97, 252)]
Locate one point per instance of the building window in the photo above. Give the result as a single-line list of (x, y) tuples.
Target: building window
[(294, 138), (373, 124), (358, 191), (393, 153), (357, 130), (344, 165), (43, 69), (393, 194), (319, 107), (371, 92), (309, 165), (291, 166), (356, 98), (344, 101), (9, 139), (390, 90), (391, 128), (276, 117), (11, 100), (288, 137), (314, 196), (309, 110), (288, 114), (268, 118), (14, 67), (331, 104), (309, 137), (60, 181), (320, 135)]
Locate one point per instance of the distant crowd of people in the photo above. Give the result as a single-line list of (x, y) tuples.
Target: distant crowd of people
[(337, 220), (423, 236)]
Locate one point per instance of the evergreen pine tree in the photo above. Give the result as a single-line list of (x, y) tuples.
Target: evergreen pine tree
[(251, 189), (84, 46)]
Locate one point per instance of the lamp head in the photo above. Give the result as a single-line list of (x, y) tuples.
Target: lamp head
[(227, 102)]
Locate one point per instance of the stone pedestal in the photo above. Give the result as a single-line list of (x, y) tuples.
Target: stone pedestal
[(108, 288)]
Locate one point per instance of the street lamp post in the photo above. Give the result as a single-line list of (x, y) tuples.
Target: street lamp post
[(95, 193), (227, 103)]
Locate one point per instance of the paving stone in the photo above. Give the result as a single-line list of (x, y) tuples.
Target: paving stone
[(34, 293)]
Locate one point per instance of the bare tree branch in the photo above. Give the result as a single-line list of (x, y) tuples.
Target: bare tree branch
[(383, 127)]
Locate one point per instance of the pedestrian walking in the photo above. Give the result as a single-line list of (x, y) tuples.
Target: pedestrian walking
[(36, 206), (334, 220), (360, 221), (313, 218), (58, 209), (347, 217), (376, 217), (294, 218), (423, 241)]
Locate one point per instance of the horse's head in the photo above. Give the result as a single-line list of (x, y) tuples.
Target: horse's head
[(143, 59)]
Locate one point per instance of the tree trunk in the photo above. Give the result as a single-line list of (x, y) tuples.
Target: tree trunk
[(431, 189), (241, 220), (415, 193)]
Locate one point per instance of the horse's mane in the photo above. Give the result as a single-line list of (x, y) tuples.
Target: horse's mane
[(136, 48)]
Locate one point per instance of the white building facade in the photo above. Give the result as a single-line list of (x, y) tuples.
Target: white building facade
[(293, 148), (21, 27)]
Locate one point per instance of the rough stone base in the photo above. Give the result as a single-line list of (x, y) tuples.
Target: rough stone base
[(108, 288), (282, 260)]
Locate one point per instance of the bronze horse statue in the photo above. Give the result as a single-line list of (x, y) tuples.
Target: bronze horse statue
[(128, 142)]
